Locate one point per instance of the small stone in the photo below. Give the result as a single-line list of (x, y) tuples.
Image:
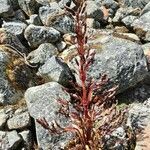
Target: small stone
[(35, 19), (17, 28), (28, 6), (142, 26), (121, 29), (19, 15), (61, 46), (128, 20), (12, 40), (36, 35), (19, 121), (42, 53), (64, 3), (9, 140), (56, 70), (14, 4), (3, 118), (130, 36), (49, 12), (94, 11), (45, 2), (6, 9), (62, 23)]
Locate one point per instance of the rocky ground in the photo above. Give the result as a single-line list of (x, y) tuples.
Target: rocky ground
[(37, 51)]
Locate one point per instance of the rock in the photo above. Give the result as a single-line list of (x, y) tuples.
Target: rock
[(62, 23), (12, 40), (125, 69), (146, 9), (42, 53), (45, 2), (30, 7), (19, 15), (42, 102), (121, 29), (17, 28), (14, 4), (37, 35), (19, 121), (109, 4), (146, 49), (55, 17), (6, 9), (128, 20), (69, 38), (138, 3), (130, 36), (63, 3), (143, 143), (15, 76), (9, 140), (3, 118), (49, 11), (8, 94), (27, 139), (142, 26), (118, 57), (120, 134), (139, 115), (124, 12), (61, 46), (94, 11), (35, 19), (56, 70)]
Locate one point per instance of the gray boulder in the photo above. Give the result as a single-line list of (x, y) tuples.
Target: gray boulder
[(37, 35), (121, 59), (19, 121), (29, 6), (17, 28), (6, 9), (42, 53), (56, 70), (9, 140), (42, 102)]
